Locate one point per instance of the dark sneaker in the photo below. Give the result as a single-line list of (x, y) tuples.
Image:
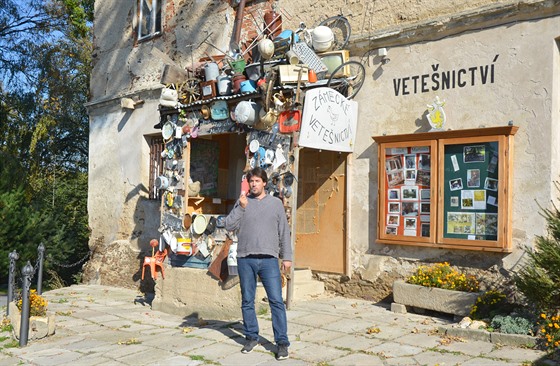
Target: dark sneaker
[(282, 352), (249, 346)]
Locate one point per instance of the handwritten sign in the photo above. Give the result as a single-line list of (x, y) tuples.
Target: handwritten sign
[(329, 121)]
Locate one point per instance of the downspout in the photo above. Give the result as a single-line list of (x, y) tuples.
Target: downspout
[(291, 279), (239, 21)]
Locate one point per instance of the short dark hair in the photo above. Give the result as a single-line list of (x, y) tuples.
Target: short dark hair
[(257, 172)]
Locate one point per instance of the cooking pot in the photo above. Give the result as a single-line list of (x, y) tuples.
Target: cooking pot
[(247, 86), (211, 71), (247, 112), (224, 84), (187, 221), (238, 66), (253, 71), (162, 182), (322, 38), (221, 221), (219, 110), (211, 226), (269, 118), (236, 82)]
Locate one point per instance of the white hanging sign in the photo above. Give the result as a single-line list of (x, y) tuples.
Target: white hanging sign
[(329, 121)]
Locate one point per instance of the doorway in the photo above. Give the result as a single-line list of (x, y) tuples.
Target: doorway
[(321, 206)]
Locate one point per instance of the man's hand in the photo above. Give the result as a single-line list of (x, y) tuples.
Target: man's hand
[(243, 200), (286, 265)]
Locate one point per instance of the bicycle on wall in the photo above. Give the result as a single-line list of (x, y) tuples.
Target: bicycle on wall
[(349, 76)]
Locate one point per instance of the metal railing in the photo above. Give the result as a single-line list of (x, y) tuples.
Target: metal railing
[(27, 273)]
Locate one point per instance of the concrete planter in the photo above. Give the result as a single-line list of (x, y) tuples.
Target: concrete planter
[(39, 326), (431, 298)]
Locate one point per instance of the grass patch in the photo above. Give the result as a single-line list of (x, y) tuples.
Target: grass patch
[(130, 341), (62, 300), (64, 313), (2, 339), (13, 344), (6, 325), (203, 359), (344, 349)]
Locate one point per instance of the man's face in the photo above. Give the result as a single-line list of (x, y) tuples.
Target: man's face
[(257, 186)]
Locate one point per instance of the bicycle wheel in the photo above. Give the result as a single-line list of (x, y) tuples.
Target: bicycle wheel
[(348, 78), (341, 30)]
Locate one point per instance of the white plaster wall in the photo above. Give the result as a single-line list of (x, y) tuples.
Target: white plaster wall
[(119, 173), (523, 92), (122, 66)]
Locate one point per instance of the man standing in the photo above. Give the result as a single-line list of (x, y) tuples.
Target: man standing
[(263, 237)]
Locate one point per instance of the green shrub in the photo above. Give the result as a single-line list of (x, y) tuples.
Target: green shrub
[(512, 324), (490, 304), (539, 279)]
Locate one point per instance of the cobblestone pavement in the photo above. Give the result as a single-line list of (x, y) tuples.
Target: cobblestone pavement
[(100, 325)]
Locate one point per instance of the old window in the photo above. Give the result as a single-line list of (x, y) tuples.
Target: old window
[(149, 19), (449, 189)]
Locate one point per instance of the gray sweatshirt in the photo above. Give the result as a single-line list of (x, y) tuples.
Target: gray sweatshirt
[(263, 228)]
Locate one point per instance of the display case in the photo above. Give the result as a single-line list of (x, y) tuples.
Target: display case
[(448, 189)]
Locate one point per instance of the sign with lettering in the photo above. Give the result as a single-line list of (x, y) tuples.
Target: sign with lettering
[(445, 79), (329, 121)]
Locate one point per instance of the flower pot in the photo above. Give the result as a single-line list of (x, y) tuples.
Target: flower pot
[(39, 326), (432, 298)]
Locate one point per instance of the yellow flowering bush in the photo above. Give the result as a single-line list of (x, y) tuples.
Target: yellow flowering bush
[(550, 331), (442, 275), (37, 304), (489, 304)]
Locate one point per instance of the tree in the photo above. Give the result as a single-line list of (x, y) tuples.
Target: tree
[(45, 64), (539, 279)]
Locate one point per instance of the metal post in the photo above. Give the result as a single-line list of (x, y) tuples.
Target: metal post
[(11, 279), (41, 252), (27, 273)]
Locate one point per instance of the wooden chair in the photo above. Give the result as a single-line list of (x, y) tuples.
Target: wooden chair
[(155, 261)]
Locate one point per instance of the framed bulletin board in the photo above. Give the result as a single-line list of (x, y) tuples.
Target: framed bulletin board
[(447, 189), (408, 186)]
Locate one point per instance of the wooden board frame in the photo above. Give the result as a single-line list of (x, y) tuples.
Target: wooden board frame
[(438, 141)]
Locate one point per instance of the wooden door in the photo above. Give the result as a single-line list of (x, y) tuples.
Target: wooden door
[(321, 232)]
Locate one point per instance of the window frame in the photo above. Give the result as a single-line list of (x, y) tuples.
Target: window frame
[(438, 141)]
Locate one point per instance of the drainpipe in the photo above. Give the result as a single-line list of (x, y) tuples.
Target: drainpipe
[(239, 21)]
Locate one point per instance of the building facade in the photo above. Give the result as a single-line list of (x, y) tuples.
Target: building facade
[(492, 63)]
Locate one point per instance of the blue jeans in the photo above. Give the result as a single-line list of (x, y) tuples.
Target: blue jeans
[(269, 272)]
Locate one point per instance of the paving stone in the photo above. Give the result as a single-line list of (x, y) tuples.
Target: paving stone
[(146, 357), (53, 356), (516, 354), (479, 361), (394, 349), (433, 358), (472, 348), (320, 335), (312, 352), (215, 351), (354, 342), (357, 359), (420, 339), (317, 320)]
